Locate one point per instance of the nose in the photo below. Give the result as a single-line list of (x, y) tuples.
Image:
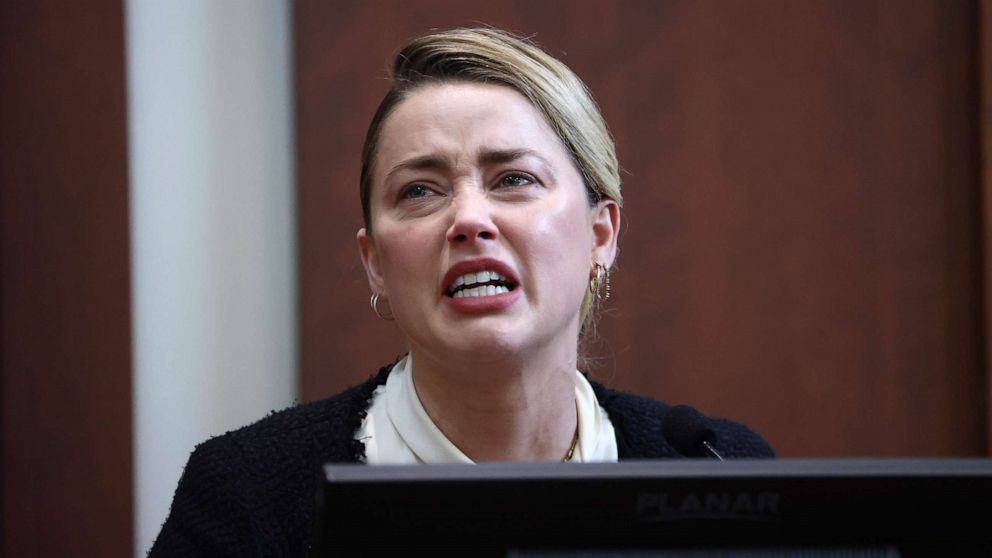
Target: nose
[(471, 219)]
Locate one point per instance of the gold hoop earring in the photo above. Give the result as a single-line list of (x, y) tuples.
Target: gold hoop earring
[(599, 284), (374, 303)]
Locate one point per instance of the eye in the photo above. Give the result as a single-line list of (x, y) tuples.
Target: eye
[(416, 191), (515, 179)]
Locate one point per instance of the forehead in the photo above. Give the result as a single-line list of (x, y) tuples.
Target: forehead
[(462, 119)]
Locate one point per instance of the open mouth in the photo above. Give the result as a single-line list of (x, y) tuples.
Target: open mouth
[(482, 283)]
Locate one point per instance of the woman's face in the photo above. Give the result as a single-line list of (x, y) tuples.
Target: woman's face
[(483, 239)]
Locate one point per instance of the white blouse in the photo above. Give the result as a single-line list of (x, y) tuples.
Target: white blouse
[(397, 429)]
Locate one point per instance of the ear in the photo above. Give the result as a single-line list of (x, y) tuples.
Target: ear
[(605, 230), (370, 259)]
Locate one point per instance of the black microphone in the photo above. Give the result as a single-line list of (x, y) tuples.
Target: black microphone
[(689, 432)]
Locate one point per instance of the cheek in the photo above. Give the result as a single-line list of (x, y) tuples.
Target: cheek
[(561, 245), (406, 258)]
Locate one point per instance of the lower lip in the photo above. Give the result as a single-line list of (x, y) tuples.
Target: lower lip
[(482, 304)]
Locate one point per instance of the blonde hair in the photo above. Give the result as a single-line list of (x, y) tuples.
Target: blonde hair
[(492, 56)]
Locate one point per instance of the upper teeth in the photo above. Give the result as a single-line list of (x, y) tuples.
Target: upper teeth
[(463, 286), (480, 277)]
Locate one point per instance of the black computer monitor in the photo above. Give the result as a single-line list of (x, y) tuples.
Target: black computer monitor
[(819, 507)]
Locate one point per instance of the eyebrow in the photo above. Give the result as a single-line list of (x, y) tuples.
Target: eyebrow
[(503, 156), (500, 156), (485, 157), (421, 163)]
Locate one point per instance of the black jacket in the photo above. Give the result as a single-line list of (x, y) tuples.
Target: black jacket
[(251, 492)]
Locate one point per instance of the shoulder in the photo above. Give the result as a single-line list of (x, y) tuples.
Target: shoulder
[(324, 428), (253, 487), (637, 421)]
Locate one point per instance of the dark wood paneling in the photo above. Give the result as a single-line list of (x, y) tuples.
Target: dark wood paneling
[(65, 300), (802, 239), (985, 123)]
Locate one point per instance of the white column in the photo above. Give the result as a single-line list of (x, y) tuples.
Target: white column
[(212, 229)]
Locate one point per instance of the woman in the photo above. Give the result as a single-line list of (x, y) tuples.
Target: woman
[(491, 199)]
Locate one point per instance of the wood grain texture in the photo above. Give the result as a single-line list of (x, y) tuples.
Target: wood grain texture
[(801, 248), (65, 300), (985, 129)]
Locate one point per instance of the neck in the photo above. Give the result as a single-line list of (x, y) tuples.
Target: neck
[(513, 409)]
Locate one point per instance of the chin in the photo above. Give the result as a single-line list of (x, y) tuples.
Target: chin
[(479, 343), (488, 348)]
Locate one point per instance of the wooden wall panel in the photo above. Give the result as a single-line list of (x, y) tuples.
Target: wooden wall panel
[(66, 414), (801, 247), (985, 129)]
